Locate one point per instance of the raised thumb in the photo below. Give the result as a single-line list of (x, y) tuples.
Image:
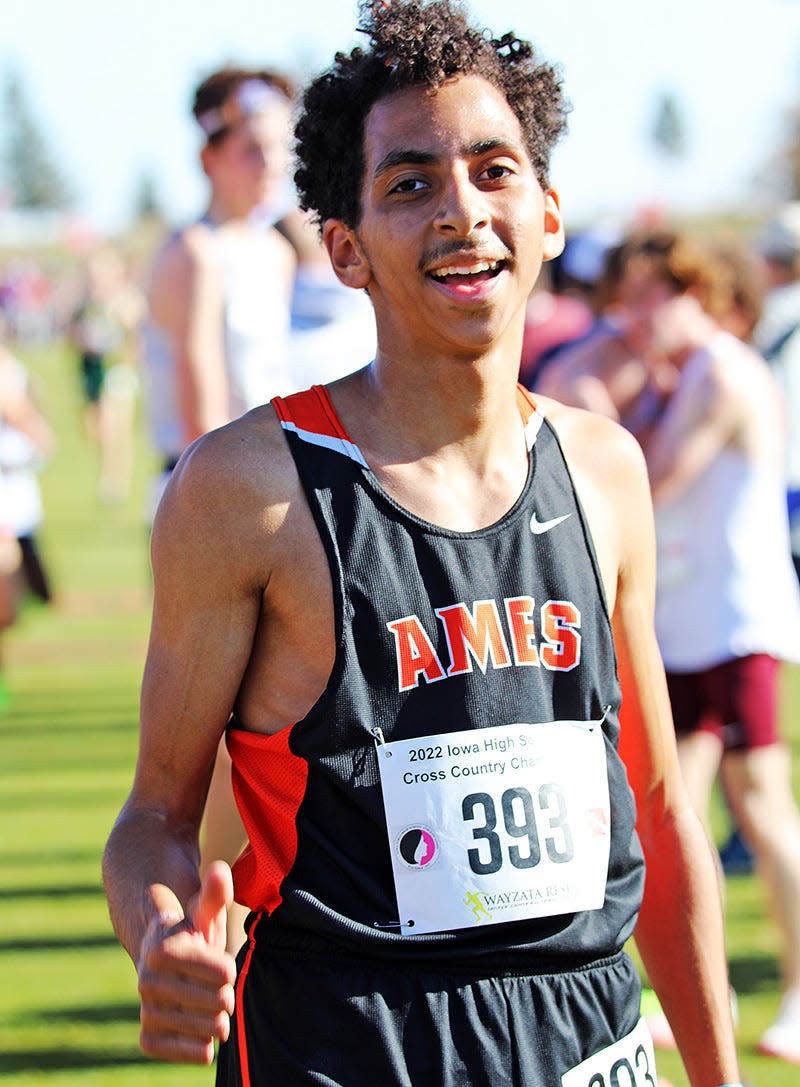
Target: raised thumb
[(208, 912)]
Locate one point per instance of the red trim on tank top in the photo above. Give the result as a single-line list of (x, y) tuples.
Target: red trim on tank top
[(313, 410), (527, 403), (326, 405), (241, 1030)]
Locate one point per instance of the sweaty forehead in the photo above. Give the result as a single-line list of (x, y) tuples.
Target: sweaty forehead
[(461, 114)]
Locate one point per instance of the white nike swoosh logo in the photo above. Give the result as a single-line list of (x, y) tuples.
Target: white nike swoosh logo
[(538, 527)]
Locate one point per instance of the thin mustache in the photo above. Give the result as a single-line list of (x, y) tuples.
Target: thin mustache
[(443, 252)]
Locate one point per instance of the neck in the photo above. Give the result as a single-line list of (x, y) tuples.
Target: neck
[(221, 212), (452, 452), (419, 409)]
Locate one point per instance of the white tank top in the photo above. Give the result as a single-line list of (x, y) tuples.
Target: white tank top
[(256, 339), (256, 326), (726, 586)]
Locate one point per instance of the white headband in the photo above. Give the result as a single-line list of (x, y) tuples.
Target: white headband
[(250, 98)]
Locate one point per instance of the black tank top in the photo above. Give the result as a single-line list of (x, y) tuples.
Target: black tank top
[(428, 644)]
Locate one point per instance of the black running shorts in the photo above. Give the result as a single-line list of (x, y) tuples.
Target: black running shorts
[(302, 1019)]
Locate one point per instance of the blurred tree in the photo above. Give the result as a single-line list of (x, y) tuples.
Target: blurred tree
[(778, 177), (147, 204), (31, 174), (669, 130), (791, 153)]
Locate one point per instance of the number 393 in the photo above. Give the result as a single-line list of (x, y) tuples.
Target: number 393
[(539, 820)]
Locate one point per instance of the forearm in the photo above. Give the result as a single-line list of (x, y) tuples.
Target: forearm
[(150, 872), (680, 939)]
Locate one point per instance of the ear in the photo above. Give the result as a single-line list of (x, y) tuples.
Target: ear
[(553, 243), (347, 257)]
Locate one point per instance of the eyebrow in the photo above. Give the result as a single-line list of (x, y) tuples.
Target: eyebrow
[(413, 157)]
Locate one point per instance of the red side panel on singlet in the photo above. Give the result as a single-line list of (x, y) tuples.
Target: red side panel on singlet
[(269, 783)]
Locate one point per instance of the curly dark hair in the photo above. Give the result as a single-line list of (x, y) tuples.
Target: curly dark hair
[(413, 43)]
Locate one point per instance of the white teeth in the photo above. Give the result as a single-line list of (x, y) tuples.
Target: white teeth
[(460, 270)]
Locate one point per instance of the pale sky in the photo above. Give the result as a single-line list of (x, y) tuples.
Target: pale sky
[(110, 84)]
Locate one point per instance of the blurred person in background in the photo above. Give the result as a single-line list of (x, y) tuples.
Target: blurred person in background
[(728, 604), (777, 337), (600, 371), (101, 327), (27, 300), (746, 287), (215, 339), (26, 440), (564, 307), (10, 562), (740, 317)]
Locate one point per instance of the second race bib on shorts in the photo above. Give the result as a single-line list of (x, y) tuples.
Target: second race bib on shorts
[(498, 824), (630, 1062)]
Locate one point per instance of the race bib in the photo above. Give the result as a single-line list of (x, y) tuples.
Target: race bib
[(498, 824), (630, 1062)]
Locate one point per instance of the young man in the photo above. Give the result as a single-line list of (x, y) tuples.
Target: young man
[(715, 459), (388, 594), (216, 336), (215, 339)]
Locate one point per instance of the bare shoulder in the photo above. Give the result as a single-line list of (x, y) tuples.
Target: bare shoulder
[(229, 498), (183, 257), (190, 247), (593, 443), (573, 359), (737, 371)]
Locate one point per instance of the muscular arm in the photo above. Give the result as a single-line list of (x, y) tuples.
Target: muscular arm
[(186, 301), (206, 608), (679, 932)]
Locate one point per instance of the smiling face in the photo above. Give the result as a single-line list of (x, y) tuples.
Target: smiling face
[(454, 223)]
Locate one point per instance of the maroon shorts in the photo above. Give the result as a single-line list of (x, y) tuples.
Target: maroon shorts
[(737, 701)]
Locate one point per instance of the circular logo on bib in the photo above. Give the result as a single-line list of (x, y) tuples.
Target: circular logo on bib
[(417, 847)]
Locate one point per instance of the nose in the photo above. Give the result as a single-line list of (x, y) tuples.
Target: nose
[(462, 207)]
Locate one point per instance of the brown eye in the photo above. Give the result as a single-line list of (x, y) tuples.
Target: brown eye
[(497, 172), (409, 184)]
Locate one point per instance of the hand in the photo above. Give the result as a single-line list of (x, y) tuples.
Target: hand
[(186, 976)]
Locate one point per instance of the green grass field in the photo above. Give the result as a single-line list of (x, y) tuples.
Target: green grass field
[(68, 1008)]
